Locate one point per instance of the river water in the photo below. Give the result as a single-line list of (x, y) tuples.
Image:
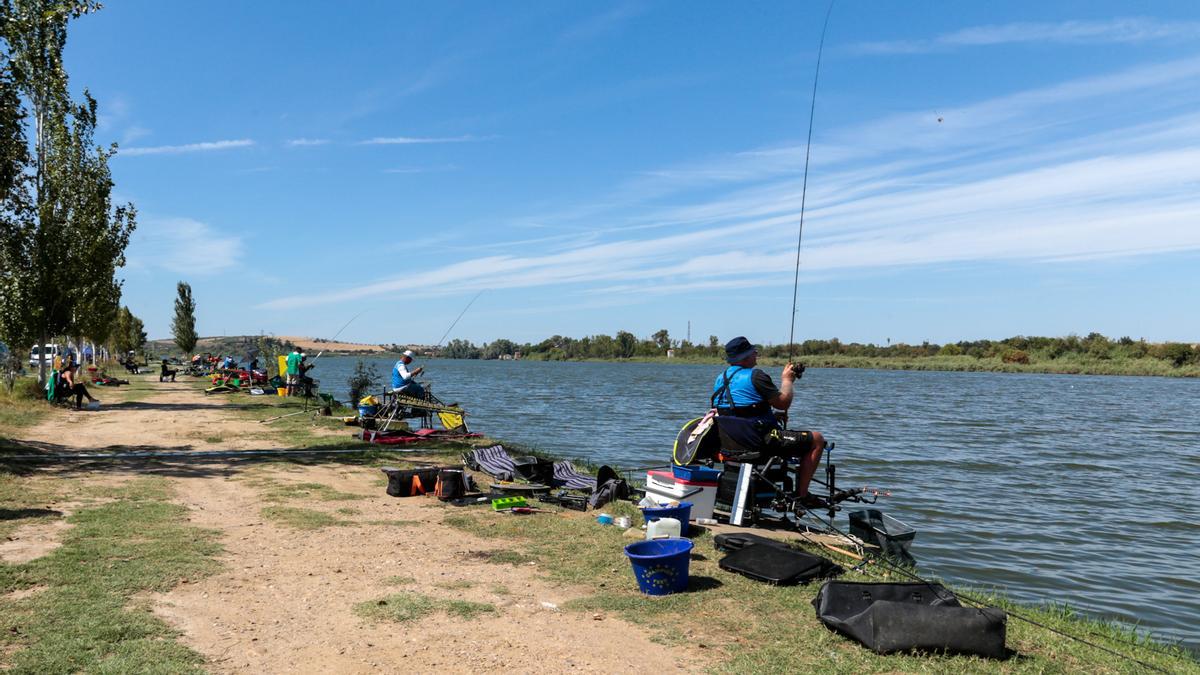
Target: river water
[(1054, 488)]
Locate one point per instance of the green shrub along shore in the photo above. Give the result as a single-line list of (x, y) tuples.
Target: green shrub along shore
[(1093, 354)]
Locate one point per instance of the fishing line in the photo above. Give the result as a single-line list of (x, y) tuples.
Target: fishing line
[(460, 315), (335, 335), (812, 111), (903, 571)]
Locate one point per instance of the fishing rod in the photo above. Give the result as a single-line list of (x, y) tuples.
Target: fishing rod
[(460, 315), (812, 110), (335, 335)]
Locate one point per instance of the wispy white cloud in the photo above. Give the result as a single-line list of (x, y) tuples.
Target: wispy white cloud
[(207, 146), (181, 245), (604, 22), (306, 142), (1112, 31), (993, 183), (418, 140)]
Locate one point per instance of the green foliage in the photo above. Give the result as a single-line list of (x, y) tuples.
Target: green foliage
[(362, 381), (1177, 353), (129, 335), (61, 240), (183, 327)]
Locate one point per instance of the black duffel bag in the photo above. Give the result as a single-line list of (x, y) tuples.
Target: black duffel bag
[(411, 482), (897, 617)]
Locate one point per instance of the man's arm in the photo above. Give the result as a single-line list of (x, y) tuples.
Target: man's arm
[(783, 400)]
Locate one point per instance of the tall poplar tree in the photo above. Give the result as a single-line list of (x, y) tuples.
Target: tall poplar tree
[(184, 325), (74, 241)]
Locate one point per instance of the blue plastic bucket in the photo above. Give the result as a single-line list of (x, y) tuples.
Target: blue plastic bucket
[(682, 513), (367, 410), (660, 565)]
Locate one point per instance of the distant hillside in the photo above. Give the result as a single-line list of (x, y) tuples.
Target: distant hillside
[(238, 345)]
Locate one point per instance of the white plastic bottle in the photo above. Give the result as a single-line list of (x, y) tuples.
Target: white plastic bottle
[(663, 528)]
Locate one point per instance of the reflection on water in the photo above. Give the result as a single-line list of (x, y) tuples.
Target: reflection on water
[(1072, 489)]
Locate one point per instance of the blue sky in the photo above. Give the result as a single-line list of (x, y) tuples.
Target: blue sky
[(979, 170)]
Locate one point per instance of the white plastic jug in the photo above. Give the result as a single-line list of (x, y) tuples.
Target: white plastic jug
[(663, 528)]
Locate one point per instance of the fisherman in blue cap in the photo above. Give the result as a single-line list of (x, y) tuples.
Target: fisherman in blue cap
[(747, 401)]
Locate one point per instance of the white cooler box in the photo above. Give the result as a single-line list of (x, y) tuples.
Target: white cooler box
[(663, 485)]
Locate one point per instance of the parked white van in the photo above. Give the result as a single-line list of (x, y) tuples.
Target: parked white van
[(51, 352)]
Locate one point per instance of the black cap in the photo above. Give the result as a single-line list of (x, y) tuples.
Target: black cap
[(738, 348)]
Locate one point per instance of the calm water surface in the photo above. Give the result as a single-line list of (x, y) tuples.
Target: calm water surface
[(1072, 489)]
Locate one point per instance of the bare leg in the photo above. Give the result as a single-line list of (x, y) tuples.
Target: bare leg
[(809, 463)]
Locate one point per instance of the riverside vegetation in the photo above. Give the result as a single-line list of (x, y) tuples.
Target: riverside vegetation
[(1093, 354)]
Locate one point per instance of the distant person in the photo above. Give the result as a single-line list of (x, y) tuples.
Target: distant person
[(293, 370), (746, 400), (166, 372), (73, 387), (403, 380)]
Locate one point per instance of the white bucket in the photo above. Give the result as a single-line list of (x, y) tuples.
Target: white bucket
[(663, 528)]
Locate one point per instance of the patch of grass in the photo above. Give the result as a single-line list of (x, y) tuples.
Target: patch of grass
[(399, 581), (85, 620), (277, 492), (464, 609), (213, 439), (393, 523), (398, 607), (347, 511), (457, 585), (407, 607), (301, 519), (776, 628), (500, 589)]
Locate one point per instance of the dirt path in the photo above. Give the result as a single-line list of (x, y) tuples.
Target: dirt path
[(164, 415), (284, 601)]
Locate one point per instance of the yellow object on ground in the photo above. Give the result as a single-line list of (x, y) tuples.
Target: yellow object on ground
[(450, 420), (281, 391)]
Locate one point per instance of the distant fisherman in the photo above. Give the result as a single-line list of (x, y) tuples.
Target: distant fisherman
[(403, 380), (293, 371), (746, 400)]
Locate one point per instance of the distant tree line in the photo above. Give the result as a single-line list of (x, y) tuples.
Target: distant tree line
[(1017, 349)]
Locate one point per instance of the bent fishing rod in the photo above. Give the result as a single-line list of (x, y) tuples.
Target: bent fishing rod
[(460, 315), (812, 110)]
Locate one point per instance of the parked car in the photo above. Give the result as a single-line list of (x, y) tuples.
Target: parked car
[(51, 352)]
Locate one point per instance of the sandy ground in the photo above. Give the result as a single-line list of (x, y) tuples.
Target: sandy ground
[(284, 600)]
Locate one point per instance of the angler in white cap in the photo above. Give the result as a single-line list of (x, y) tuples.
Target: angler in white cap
[(404, 380)]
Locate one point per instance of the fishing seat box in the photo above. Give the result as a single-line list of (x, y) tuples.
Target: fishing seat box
[(899, 617), (762, 491), (412, 482), (665, 485)]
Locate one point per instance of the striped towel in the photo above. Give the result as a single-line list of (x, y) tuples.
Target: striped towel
[(566, 475), (495, 462)]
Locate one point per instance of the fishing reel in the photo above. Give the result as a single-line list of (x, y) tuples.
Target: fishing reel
[(798, 370)]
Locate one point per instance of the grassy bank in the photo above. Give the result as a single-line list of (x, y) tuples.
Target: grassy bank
[(753, 627), (81, 607)]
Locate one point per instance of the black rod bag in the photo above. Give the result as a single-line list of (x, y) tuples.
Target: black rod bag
[(898, 617)]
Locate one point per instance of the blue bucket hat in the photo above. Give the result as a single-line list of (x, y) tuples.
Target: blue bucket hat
[(738, 348)]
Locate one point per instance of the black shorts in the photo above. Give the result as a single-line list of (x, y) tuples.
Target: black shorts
[(789, 443)]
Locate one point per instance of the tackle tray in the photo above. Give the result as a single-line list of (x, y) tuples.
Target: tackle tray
[(506, 503), (778, 564)]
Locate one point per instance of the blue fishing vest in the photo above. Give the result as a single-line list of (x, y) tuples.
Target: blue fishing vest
[(741, 392)]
